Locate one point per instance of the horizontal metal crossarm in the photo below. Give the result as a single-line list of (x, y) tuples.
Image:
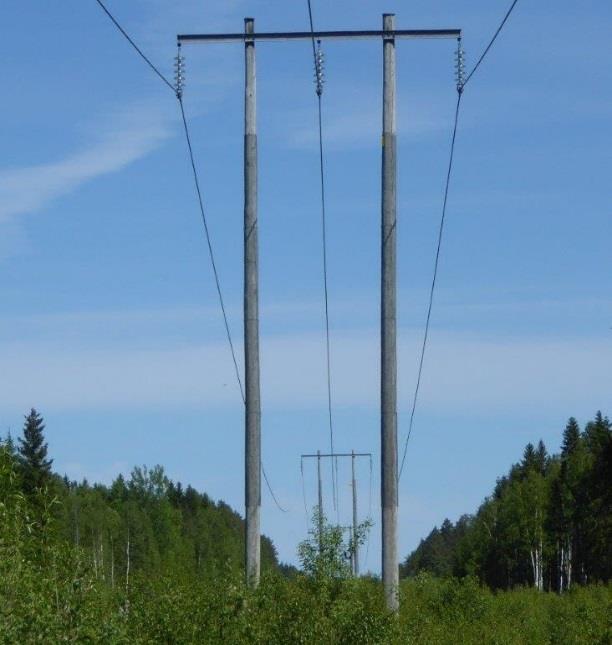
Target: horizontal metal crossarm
[(319, 35), (339, 454)]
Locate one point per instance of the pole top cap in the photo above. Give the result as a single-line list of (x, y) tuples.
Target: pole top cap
[(388, 21)]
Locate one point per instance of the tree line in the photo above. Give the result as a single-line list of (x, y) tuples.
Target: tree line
[(145, 524), (547, 523), (146, 561)]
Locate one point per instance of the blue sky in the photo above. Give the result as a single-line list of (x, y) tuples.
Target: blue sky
[(109, 321)]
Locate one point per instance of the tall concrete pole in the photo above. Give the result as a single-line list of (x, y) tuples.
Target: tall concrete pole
[(355, 543), (320, 494), (388, 389), (251, 320)]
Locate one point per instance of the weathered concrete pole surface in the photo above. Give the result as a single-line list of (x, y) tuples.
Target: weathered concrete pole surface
[(320, 500), (251, 320), (388, 390), (355, 543)]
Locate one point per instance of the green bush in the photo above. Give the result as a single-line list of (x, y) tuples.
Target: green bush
[(51, 592)]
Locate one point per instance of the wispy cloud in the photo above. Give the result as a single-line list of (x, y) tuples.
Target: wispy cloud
[(484, 312), (126, 135), (463, 374), (357, 123)]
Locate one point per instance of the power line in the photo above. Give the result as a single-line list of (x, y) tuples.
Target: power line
[(311, 29), (488, 47), (265, 476), (433, 282), (210, 250), (218, 283), (178, 93), (461, 83), (135, 46), (318, 64)]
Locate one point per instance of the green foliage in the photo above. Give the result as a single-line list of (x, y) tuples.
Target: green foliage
[(325, 555), (145, 524), (65, 549), (436, 553), (548, 523)]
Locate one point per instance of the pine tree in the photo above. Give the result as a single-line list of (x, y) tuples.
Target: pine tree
[(34, 465)]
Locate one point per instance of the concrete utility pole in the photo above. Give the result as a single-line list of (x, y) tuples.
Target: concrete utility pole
[(355, 543), (251, 318), (388, 298), (388, 385), (320, 500), (353, 529)]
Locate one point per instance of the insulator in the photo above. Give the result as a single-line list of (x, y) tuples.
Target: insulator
[(179, 73), (319, 75), (460, 67)]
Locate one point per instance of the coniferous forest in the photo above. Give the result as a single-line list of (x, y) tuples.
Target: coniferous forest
[(145, 524), (146, 560), (547, 523)]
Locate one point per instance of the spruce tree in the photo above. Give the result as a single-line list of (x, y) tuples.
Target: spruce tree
[(541, 458), (597, 433), (9, 445), (571, 437), (35, 467), (529, 461)]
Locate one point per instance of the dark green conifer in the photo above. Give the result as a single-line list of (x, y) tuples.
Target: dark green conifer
[(34, 465), (571, 437), (541, 457), (529, 458), (597, 433), (9, 444)]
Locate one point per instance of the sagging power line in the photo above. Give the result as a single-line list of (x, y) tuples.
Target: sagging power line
[(318, 59), (389, 463), (177, 89), (462, 80)]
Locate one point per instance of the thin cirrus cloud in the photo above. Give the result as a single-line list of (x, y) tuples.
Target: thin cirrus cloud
[(463, 374), (125, 136), (357, 123)]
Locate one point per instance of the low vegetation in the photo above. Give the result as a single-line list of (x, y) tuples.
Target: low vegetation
[(140, 562)]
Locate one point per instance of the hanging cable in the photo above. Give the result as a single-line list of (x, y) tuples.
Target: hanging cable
[(319, 60), (269, 486), (179, 95), (135, 46), (433, 285), (210, 248), (462, 81), (488, 47), (437, 257), (177, 89)]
